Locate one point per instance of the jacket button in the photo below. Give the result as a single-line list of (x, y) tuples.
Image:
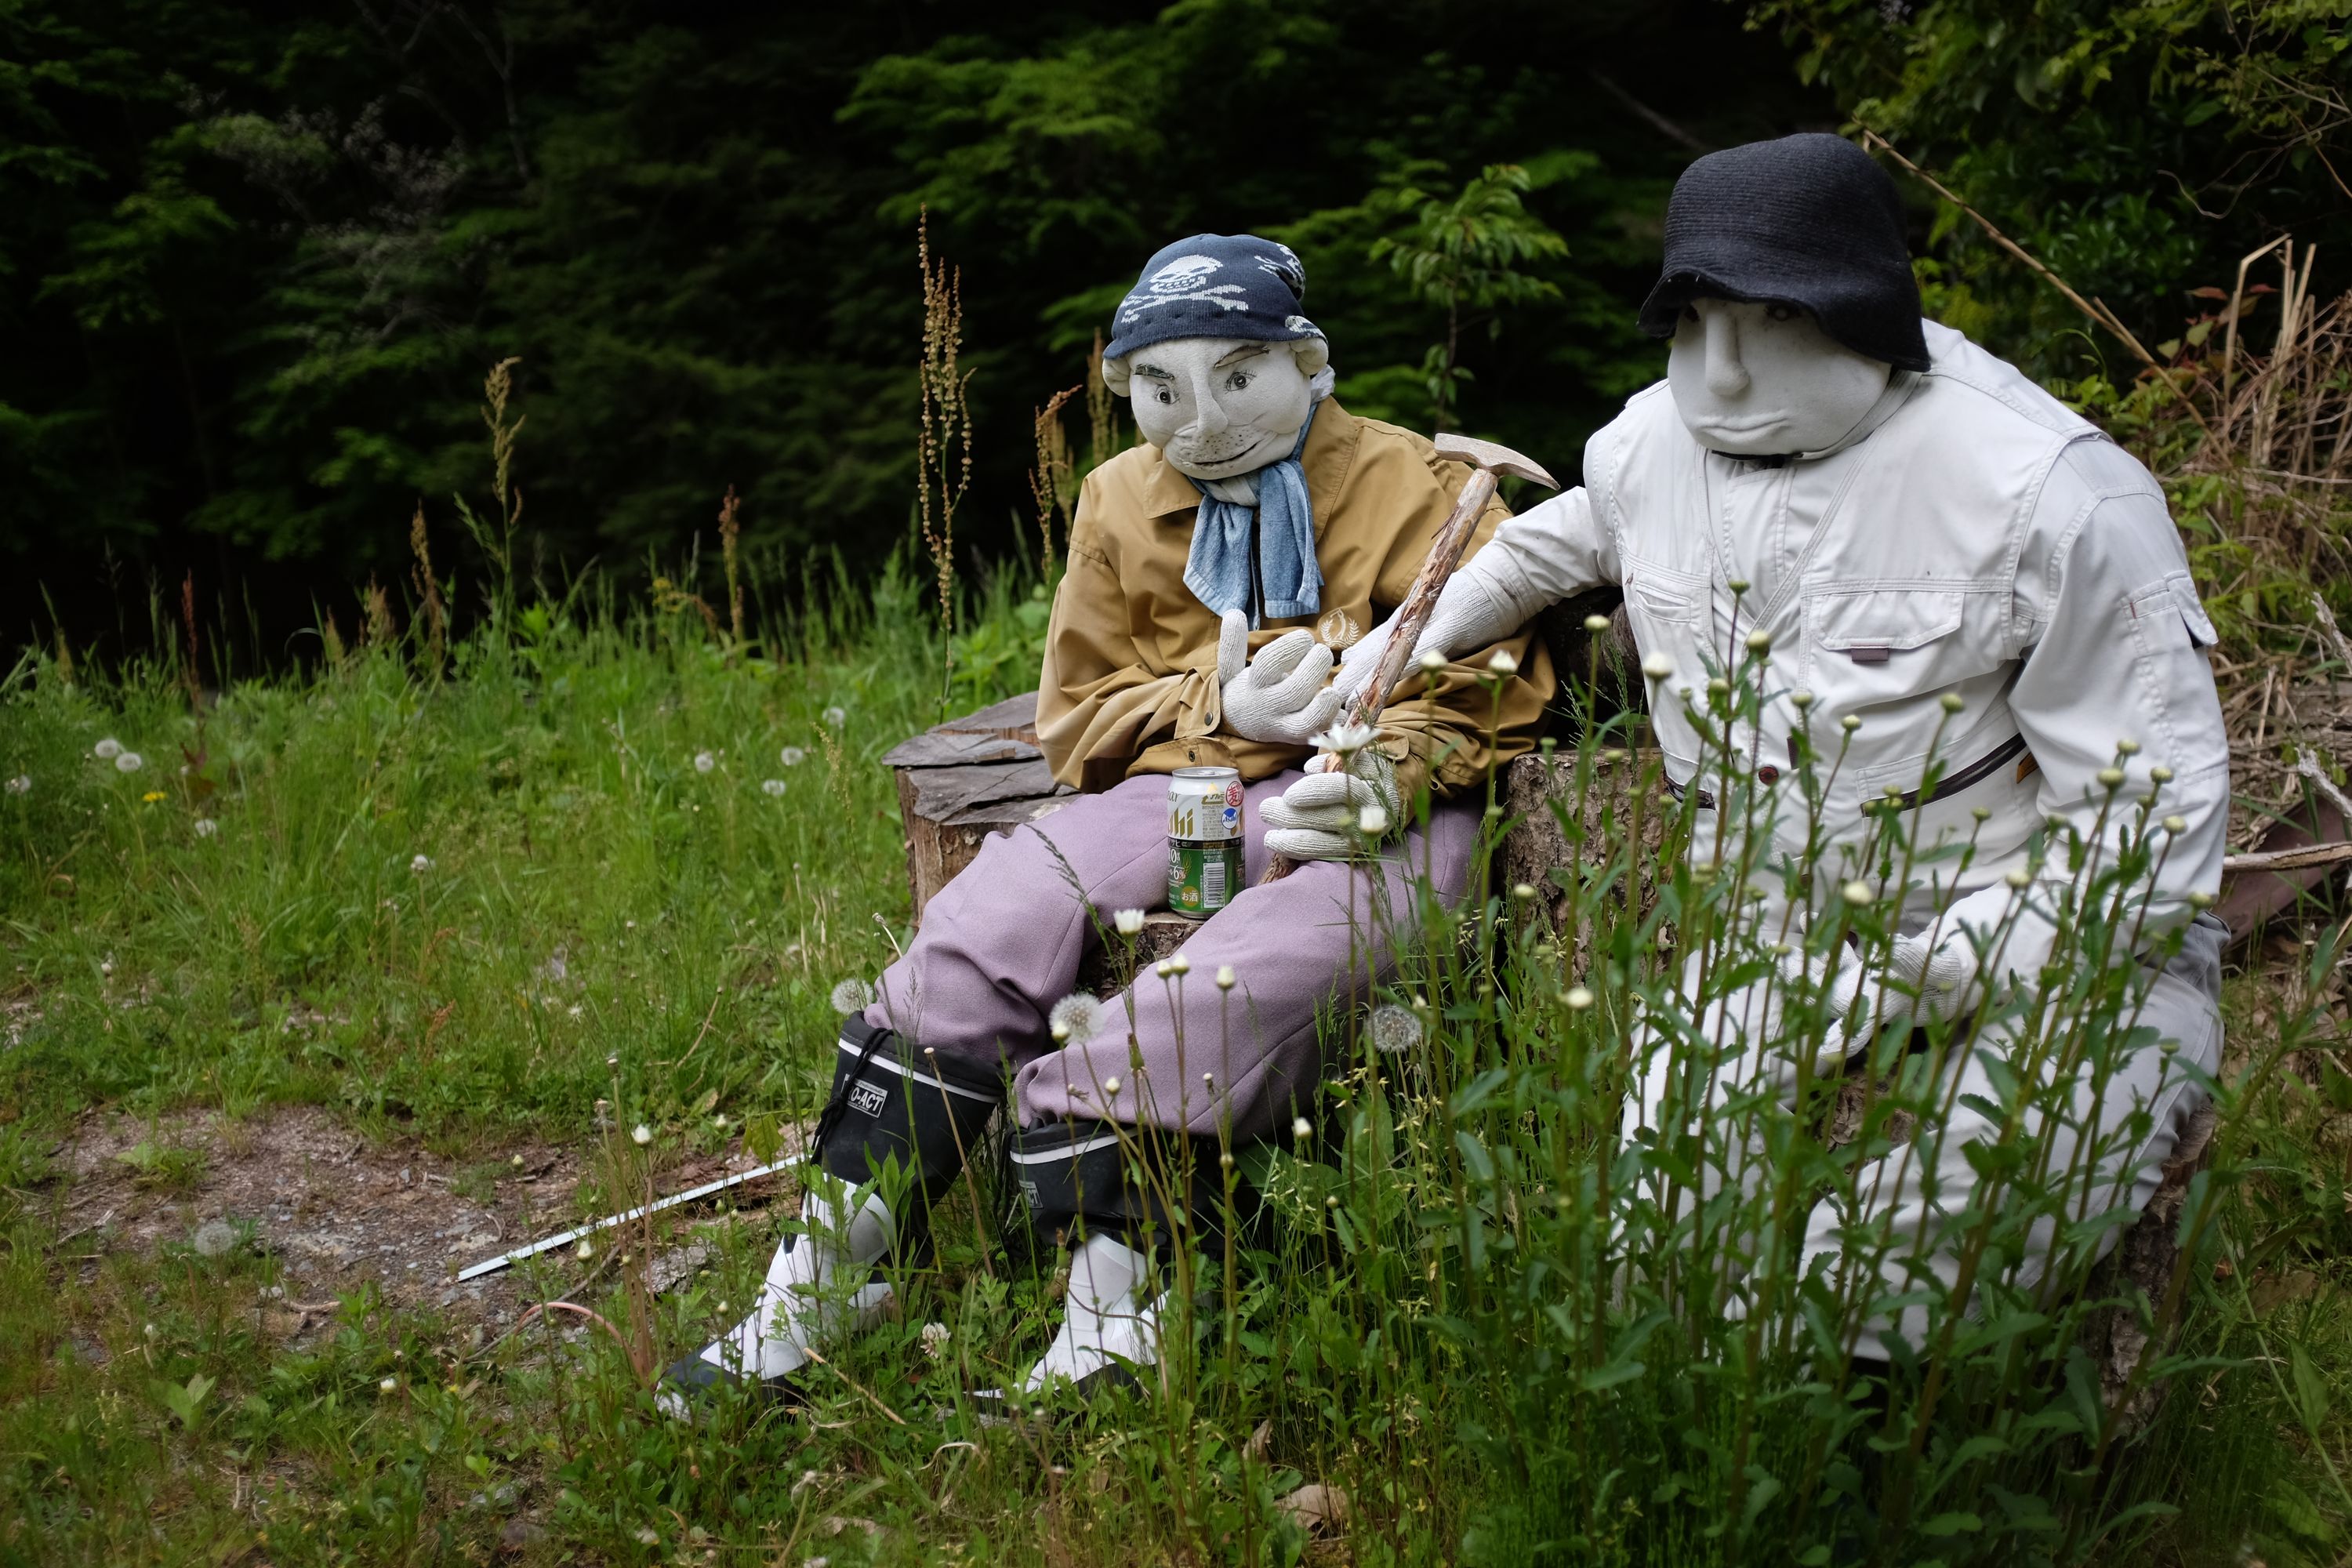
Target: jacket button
[(1768, 774)]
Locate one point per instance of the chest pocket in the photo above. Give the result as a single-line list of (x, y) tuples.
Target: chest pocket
[(1872, 644), (1668, 610)]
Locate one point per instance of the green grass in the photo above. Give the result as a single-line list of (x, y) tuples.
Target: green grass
[(374, 925)]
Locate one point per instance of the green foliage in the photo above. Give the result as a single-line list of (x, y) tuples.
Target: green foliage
[(2138, 150), (254, 256)]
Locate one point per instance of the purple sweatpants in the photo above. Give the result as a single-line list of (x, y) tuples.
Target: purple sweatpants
[(1001, 944)]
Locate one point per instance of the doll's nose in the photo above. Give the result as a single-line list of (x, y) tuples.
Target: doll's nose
[(1208, 416), (1725, 376)]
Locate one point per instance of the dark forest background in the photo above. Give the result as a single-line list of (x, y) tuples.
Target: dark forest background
[(257, 257)]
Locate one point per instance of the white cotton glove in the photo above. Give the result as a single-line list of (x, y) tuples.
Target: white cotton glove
[(1469, 614), (1279, 697), (1942, 979), (1321, 817)]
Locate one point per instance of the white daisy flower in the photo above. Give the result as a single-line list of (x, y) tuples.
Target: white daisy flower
[(1345, 739), (1300, 1128), (1373, 820), (206, 828), (1503, 663), (1128, 921)]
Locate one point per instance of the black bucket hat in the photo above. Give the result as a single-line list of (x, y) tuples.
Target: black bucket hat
[(1809, 220)]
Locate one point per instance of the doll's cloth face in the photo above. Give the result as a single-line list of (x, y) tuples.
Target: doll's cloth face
[(1217, 407), (1757, 378)]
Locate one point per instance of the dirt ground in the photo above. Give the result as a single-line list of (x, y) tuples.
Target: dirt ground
[(339, 1211)]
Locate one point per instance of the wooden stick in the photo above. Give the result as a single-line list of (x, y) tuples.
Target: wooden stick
[(1404, 626), (2288, 859)]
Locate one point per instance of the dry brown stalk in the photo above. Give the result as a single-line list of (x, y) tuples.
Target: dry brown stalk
[(1102, 410), (731, 529), (943, 450), (429, 590), (188, 669), (1050, 485)]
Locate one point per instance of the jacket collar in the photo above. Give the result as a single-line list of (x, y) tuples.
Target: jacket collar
[(1330, 448)]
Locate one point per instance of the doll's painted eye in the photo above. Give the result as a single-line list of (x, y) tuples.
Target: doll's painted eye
[(1690, 312), (1165, 395), (1780, 312), (1237, 381)]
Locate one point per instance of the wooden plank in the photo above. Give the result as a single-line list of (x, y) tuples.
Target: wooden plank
[(940, 793), (1014, 718), (953, 748)]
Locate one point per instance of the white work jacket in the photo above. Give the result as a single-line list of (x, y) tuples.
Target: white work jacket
[(1974, 537)]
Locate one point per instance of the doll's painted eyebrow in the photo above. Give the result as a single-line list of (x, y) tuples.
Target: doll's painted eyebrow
[(1151, 372), (1248, 351)]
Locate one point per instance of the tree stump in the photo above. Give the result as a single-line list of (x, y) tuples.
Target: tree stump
[(1551, 829), (963, 780)]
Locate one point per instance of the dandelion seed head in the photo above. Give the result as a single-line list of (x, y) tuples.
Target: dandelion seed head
[(835, 717), (852, 996), (206, 828), (1129, 922), (213, 1238), (1078, 1016), (792, 756), (1394, 1029), (129, 763), (105, 751), (21, 784), (641, 1134), (704, 761), (774, 788)]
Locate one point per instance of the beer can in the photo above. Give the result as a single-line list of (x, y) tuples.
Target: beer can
[(1204, 840)]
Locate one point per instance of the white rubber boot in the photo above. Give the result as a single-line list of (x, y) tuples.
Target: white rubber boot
[(817, 1289), (1107, 1320)]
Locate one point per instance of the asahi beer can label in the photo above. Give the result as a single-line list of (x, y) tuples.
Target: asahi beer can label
[(1205, 839), (1205, 804)]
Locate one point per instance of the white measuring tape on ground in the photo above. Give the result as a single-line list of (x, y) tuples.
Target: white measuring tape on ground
[(492, 1265)]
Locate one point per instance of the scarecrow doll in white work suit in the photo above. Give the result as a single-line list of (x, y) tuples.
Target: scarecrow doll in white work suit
[(1914, 549), (1202, 568)]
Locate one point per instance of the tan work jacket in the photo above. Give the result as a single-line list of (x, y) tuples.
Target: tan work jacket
[(1129, 684)]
